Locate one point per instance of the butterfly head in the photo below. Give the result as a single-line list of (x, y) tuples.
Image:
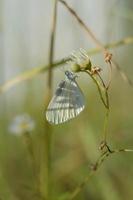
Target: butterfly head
[(70, 75)]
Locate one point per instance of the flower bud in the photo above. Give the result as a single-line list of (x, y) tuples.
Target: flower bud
[(75, 67), (86, 65)]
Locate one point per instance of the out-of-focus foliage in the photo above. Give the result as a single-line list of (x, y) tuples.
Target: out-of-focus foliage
[(24, 35)]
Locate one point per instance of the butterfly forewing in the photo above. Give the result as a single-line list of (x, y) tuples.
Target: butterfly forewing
[(66, 104)]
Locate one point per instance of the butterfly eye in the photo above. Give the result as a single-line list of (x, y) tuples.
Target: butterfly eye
[(67, 73)]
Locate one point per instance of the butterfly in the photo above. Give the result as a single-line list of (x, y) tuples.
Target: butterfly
[(67, 102)]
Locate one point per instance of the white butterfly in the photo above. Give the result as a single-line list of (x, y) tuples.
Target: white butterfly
[(67, 102)]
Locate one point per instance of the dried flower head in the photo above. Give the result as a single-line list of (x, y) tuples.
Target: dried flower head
[(21, 124), (95, 70), (79, 60), (108, 57)]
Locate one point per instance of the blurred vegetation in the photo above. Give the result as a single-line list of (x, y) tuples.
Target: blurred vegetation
[(74, 144)]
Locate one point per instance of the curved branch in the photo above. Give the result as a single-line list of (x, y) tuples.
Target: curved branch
[(29, 74)]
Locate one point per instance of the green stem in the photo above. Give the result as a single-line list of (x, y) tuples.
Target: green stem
[(48, 139), (105, 130), (98, 87), (31, 157), (107, 108), (81, 186), (104, 101), (29, 74), (95, 168)]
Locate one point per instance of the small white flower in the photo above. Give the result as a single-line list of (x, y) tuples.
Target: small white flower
[(80, 58), (21, 124)]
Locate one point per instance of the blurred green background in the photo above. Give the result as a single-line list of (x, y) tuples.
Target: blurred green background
[(24, 44)]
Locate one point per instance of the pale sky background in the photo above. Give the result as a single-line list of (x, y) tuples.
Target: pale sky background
[(25, 30)]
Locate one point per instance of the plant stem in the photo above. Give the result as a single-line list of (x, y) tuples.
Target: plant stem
[(105, 131), (95, 168), (48, 129), (90, 33), (104, 101), (97, 42), (29, 74), (31, 157), (52, 42), (107, 107), (98, 87)]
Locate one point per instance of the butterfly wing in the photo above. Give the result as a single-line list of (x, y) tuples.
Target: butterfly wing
[(66, 104), (77, 102)]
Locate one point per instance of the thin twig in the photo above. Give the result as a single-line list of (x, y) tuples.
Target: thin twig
[(108, 56), (106, 125), (104, 101), (52, 41), (107, 107), (81, 186), (48, 128), (110, 76), (83, 25), (94, 169), (122, 73), (29, 74), (98, 87)]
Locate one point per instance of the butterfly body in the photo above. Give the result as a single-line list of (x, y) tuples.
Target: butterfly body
[(67, 102)]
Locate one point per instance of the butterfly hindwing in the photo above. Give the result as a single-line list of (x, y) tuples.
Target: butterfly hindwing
[(76, 101), (66, 104)]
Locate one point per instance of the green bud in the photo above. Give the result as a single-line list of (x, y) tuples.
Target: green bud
[(87, 65), (75, 67)]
